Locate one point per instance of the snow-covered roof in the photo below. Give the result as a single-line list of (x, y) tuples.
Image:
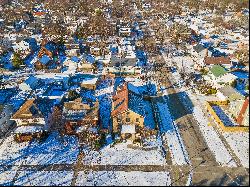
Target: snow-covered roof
[(128, 129), (90, 81), (29, 129)]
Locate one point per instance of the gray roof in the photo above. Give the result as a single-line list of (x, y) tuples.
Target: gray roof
[(198, 48), (122, 62), (231, 93)]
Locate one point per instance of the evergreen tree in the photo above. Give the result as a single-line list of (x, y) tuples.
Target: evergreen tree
[(17, 61)]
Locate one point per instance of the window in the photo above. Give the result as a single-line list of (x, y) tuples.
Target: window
[(137, 120), (128, 113), (127, 119)]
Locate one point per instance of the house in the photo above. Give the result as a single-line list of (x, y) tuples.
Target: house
[(33, 119), (82, 113), (43, 51), (55, 90), (208, 61), (96, 51), (43, 62), (219, 77), (126, 112), (123, 66)]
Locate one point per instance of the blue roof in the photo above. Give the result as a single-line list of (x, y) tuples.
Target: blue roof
[(75, 59), (241, 74), (51, 46), (90, 59), (31, 81), (45, 59)]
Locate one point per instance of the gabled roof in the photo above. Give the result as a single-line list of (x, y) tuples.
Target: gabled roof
[(198, 48), (128, 98), (34, 108)]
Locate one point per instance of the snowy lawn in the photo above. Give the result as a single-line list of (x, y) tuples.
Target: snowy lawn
[(213, 140), (54, 150), (12, 152), (239, 143), (120, 154), (122, 178), (171, 136), (44, 178)]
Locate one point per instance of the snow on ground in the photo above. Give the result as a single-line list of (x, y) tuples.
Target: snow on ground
[(135, 81), (239, 143), (176, 147), (104, 93), (7, 176), (107, 90), (213, 140), (54, 150), (171, 136), (120, 154), (44, 178), (12, 152), (122, 178)]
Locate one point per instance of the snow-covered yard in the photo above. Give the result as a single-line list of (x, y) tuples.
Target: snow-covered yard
[(122, 178), (44, 178), (239, 143), (12, 152), (120, 154), (54, 150), (213, 140), (171, 136)]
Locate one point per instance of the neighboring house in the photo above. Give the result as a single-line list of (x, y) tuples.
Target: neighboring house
[(123, 66), (43, 62), (210, 61), (33, 119), (126, 109), (81, 113)]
